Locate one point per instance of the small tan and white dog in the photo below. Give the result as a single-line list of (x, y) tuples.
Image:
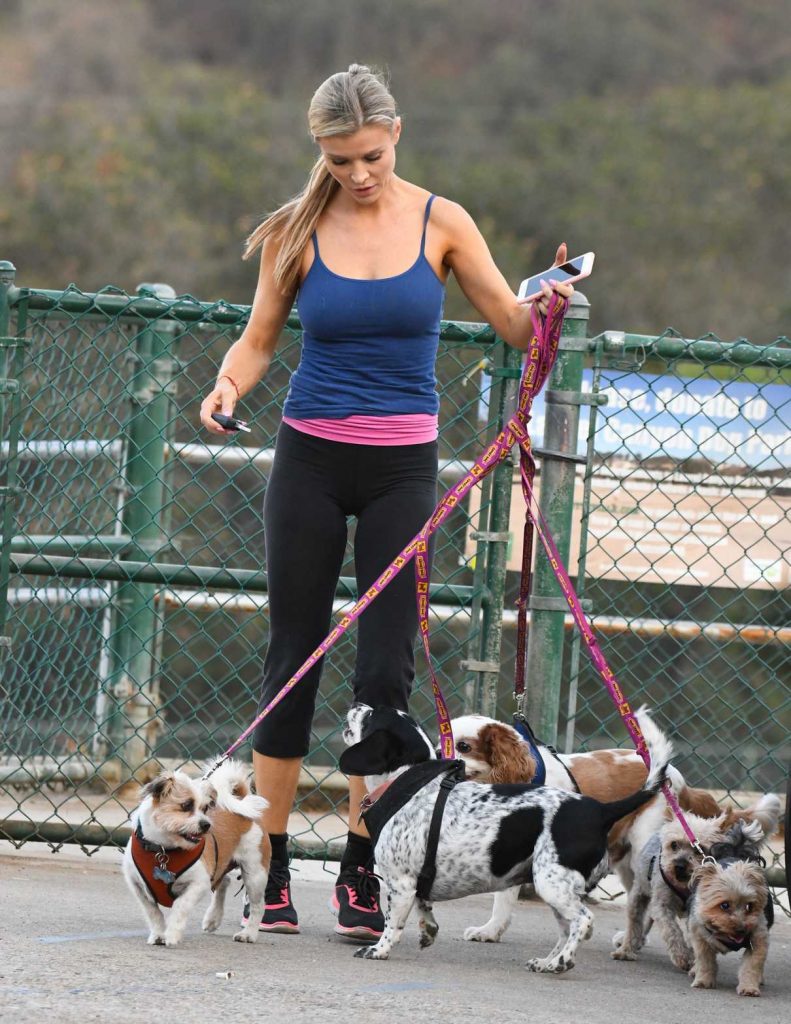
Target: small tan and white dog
[(187, 835), (495, 752)]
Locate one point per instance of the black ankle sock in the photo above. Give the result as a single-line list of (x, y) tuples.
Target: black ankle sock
[(279, 843), (359, 851)]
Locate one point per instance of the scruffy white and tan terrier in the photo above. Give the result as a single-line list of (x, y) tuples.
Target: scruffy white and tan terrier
[(187, 835)]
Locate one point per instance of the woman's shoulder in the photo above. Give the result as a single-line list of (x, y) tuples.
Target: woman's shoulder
[(449, 211), (442, 209), (451, 218)]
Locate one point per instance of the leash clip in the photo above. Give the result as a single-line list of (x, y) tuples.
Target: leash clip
[(213, 767), (705, 858)]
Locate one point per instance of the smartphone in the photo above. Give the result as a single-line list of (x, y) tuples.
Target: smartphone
[(230, 422), (570, 271)]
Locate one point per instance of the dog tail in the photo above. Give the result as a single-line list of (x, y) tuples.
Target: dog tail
[(233, 793), (766, 811), (660, 750)]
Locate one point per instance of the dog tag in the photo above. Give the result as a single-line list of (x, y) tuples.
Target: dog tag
[(163, 875)]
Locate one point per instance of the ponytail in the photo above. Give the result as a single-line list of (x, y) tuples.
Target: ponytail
[(293, 224), (341, 105)]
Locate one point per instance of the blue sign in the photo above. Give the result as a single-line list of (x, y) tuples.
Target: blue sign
[(647, 415)]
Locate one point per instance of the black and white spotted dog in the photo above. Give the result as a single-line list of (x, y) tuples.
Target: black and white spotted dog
[(492, 837)]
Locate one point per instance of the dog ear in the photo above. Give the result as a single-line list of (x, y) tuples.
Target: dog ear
[(506, 753), (159, 787), (391, 741)]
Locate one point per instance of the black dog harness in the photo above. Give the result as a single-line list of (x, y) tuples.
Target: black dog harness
[(398, 793)]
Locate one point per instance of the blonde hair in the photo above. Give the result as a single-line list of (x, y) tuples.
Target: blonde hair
[(341, 105)]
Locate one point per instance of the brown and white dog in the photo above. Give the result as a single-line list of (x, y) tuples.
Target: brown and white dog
[(495, 752), (187, 835)]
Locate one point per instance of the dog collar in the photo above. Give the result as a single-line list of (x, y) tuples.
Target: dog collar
[(150, 847), (522, 726), (683, 894), (370, 798), (731, 944)]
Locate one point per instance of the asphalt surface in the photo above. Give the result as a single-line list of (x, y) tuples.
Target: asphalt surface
[(72, 949)]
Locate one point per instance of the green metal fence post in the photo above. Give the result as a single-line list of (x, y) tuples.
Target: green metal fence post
[(10, 360), (548, 607), (496, 537), (132, 682)]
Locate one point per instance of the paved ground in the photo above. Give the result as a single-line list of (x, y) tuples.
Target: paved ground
[(72, 949)]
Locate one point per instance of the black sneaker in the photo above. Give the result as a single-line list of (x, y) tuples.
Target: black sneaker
[(280, 914), (356, 902)]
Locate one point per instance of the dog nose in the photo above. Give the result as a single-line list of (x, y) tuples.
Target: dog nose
[(205, 825)]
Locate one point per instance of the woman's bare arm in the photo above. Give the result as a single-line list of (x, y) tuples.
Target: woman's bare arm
[(468, 256), (248, 359)]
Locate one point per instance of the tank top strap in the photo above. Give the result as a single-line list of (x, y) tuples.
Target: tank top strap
[(426, 215), (315, 240)]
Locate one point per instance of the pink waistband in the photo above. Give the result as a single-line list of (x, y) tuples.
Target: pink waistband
[(412, 428)]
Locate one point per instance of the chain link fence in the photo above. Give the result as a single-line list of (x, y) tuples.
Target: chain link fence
[(134, 564), (136, 598)]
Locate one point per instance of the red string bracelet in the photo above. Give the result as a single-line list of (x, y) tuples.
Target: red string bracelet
[(224, 376)]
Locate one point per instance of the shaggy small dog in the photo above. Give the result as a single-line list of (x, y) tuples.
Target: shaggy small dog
[(187, 835), (662, 879), (666, 866), (728, 912), (495, 752), (490, 838)]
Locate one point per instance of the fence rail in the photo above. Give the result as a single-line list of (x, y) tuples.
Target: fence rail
[(133, 589)]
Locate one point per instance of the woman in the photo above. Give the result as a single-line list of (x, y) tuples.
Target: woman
[(366, 255)]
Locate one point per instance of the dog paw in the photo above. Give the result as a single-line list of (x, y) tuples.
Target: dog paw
[(370, 953), (748, 990), (623, 953), (482, 934), (155, 939), (703, 982), (211, 924), (172, 940), (426, 939), (245, 936), (617, 940), (545, 965)]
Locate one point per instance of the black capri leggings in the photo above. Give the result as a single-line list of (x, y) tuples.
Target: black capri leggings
[(314, 486)]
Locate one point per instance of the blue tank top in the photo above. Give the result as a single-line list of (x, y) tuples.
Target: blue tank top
[(368, 347)]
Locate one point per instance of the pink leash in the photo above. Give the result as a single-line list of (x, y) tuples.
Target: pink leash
[(537, 366), (541, 354)]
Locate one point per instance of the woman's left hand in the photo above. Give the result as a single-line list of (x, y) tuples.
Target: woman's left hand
[(549, 286)]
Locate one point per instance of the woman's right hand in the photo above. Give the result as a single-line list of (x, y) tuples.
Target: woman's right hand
[(222, 399)]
